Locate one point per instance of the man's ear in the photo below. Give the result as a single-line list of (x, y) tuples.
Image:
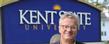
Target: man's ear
[(59, 29)]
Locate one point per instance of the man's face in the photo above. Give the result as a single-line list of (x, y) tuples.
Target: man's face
[(68, 28)]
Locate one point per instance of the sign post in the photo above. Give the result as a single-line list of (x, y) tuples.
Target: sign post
[(0, 28)]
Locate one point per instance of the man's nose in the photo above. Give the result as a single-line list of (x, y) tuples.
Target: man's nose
[(69, 29)]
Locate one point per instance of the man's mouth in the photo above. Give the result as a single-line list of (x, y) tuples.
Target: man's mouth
[(68, 33)]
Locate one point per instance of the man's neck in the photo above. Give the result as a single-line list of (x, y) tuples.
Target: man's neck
[(64, 41)]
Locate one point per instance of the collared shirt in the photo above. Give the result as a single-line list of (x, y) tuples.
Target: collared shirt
[(76, 42)]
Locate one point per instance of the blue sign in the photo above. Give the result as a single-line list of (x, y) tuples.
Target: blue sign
[(35, 21)]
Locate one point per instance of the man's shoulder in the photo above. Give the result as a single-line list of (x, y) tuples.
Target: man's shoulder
[(79, 42), (58, 42)]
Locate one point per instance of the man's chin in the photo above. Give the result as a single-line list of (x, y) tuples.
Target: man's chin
[(68, 38)]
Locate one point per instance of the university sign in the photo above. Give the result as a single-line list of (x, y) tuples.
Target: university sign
[(35, 16), (35, 21)]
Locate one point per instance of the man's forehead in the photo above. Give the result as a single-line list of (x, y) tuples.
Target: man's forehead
[(68, 20)]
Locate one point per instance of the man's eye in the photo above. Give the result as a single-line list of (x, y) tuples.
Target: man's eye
[(66, 26), (74, 27)]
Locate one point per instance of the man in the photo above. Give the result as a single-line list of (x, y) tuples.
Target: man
[(68, 28)]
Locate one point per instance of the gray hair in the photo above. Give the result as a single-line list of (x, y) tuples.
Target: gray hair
[(71, 16), (55, 39)]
